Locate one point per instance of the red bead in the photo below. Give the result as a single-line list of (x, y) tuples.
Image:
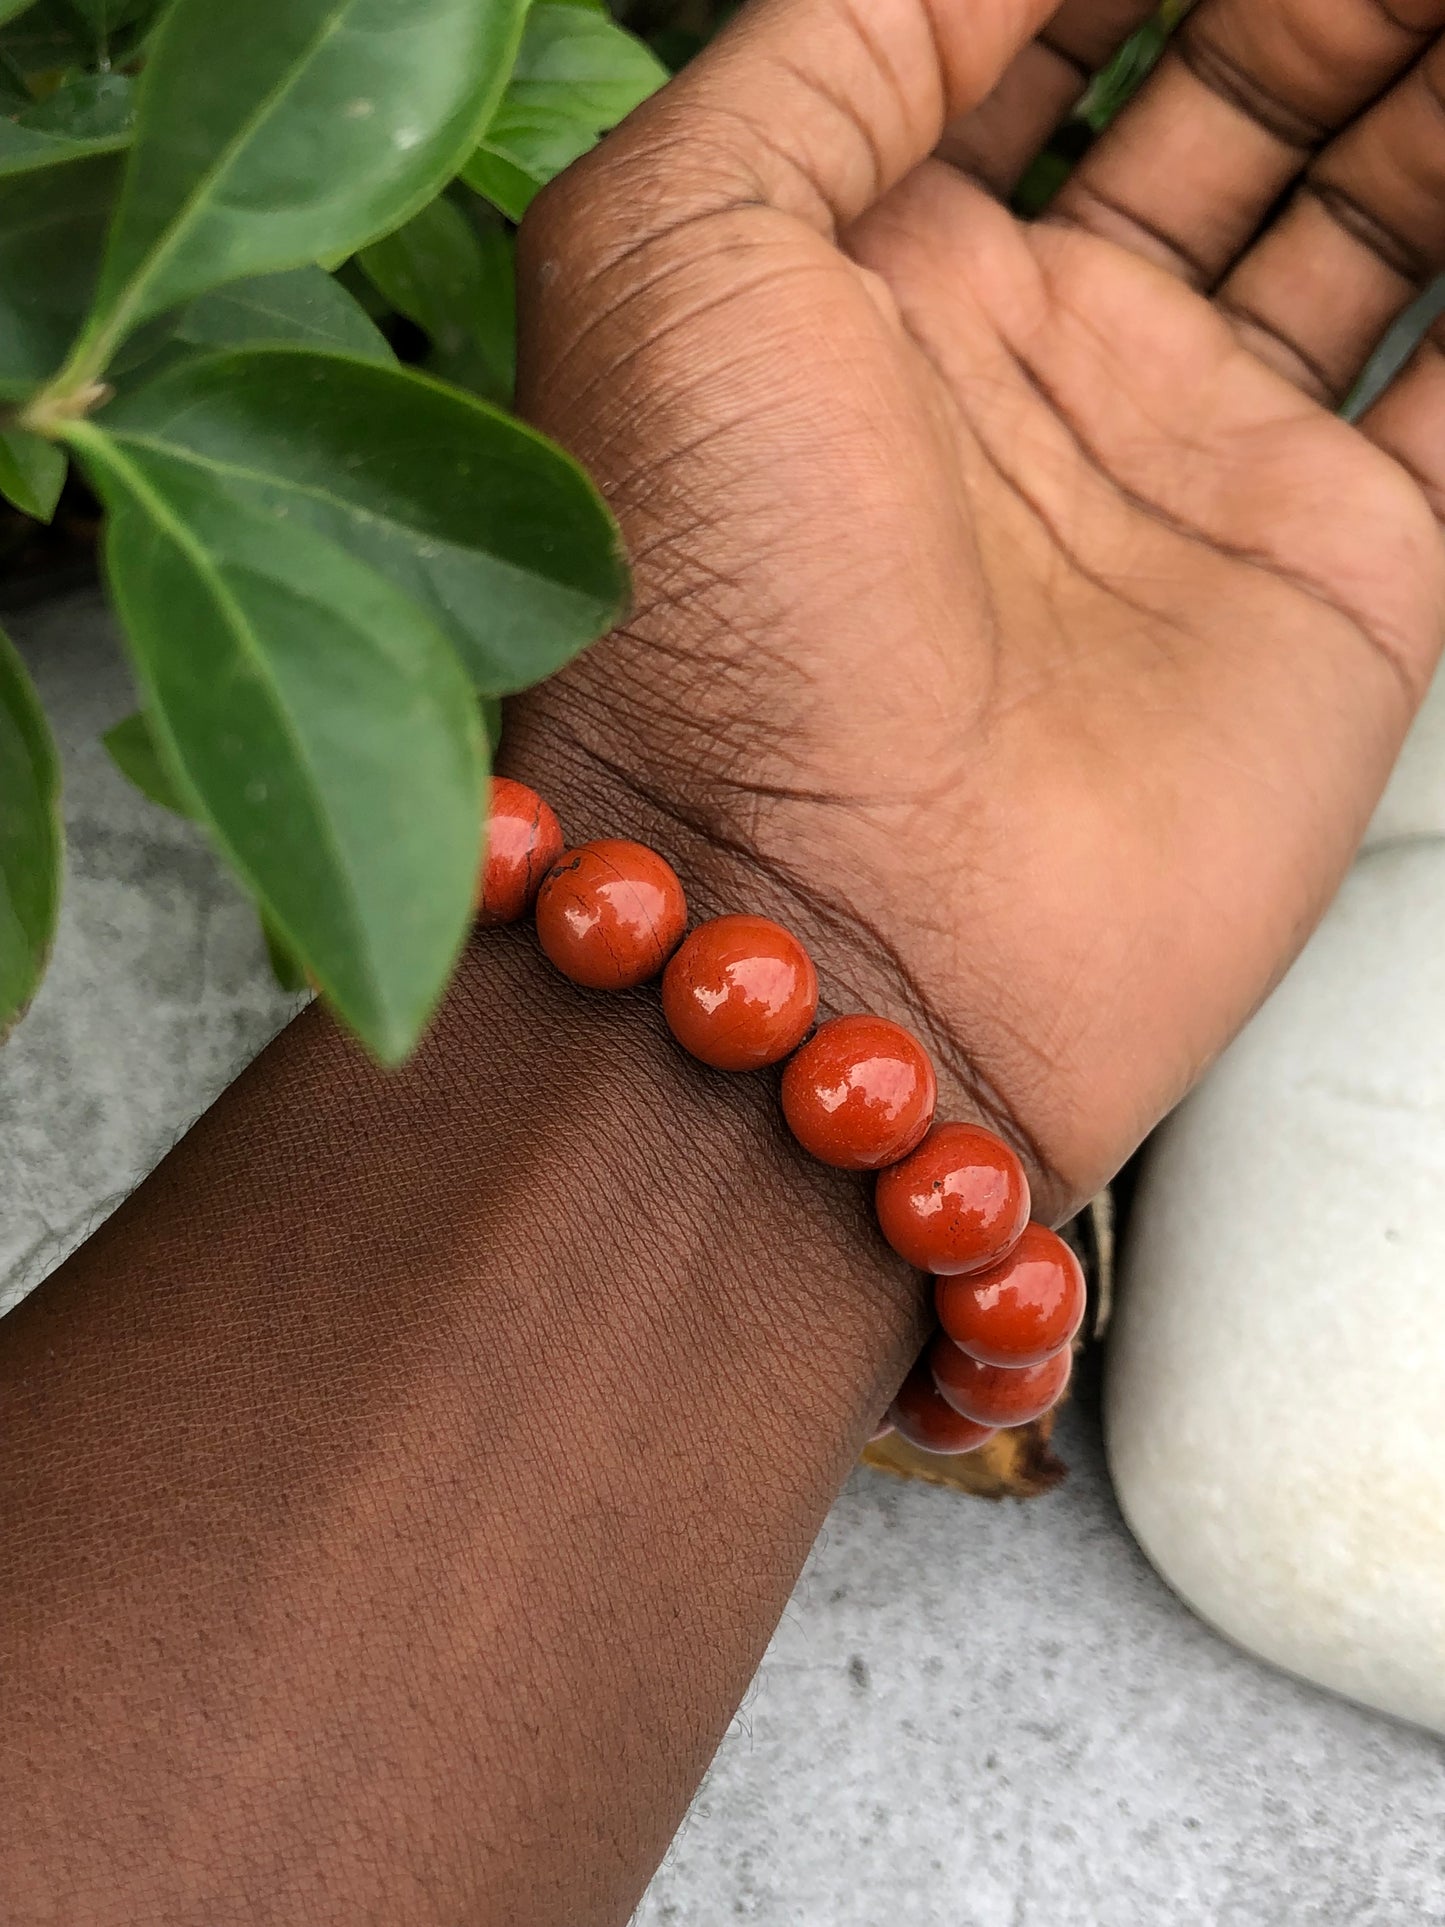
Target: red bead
[(928, 1421), (1021, 1311), (740, 993), (860, 1093), (997, 1394), (958, 1203), (610, 914), (524, 840)]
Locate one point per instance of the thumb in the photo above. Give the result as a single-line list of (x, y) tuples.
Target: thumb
[(817, 107)]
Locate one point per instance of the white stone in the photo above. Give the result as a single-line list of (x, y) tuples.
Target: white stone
[(1275, 1409)]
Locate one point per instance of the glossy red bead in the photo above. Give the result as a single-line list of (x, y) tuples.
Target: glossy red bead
[(997, 1395), (610, 914), (860, 1093), (741, 992), (926, 1419), (524, 840), (1021, 1311), (958, 1203)]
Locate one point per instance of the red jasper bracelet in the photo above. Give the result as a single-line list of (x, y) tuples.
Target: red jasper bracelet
[(859, 1092)]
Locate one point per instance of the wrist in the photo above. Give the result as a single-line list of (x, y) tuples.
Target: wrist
[(565, 740)]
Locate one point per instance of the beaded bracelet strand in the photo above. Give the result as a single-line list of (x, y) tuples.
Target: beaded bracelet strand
[(858, 1093)]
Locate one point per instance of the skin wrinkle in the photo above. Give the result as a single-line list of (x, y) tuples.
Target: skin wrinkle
[(1307, 374), (1085, 195), (1389, 246), (1395, 659), (1217, 70)]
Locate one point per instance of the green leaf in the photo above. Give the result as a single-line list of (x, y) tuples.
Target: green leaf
[(305, 307), (492, 721), (46, 37), (32, 472), (51, 35), (1115, 85), (54, 207), (105, 16), (87, 107), (479, 520), (31, 839), (577, 75), (137, 755), (322, 723), (132, 747), (278, 132), (24, 148), (459, 285), (286, 966)]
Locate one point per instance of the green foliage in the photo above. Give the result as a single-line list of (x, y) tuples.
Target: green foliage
[(452, 274), (577, 75), (87, 107), (303, 308), (1116, 85), (55, 199), (482, 523), (30, 837), (328, 566), (321, 722), (32, 473), (239, 104), (133, 749)]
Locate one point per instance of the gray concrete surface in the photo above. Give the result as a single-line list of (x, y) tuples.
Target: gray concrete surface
[(971, 1716)]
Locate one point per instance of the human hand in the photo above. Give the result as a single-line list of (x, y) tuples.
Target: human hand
[(1013, 616)]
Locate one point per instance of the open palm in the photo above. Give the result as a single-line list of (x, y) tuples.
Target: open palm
[(1014, 616)]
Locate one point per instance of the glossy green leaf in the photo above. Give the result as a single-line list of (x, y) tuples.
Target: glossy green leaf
[(31, 839), (305, 307), (87, 107), (458, 283), (53, 212), (577, 75), (482, 522), (282, 132), (32, 472), (321, 721), (492, 721), (132, 747)]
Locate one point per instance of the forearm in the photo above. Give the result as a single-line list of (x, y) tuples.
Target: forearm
[(400, 1489)]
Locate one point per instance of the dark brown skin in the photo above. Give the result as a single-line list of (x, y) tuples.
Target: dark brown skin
[(399, 1490)]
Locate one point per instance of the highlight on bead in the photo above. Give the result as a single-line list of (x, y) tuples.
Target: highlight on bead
[(610, 914), (1019, 1312), (959, 1203), (524, 840), (860, 1093), (740, 992)]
